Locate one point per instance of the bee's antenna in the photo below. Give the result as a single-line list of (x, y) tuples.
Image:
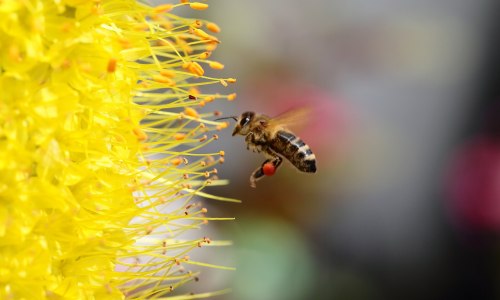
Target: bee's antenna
[(231, 117)]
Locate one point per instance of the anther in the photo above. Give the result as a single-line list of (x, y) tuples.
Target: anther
[(223, 125), (201, 33), (163, 79), (216, 65), (197, 23), (167, 73), (145, 84), (141, 136), (231, 97), (179, 136), (205, 55), (198, 6), (213, 27), (211, 46), (111, 65), (191, 112), (163, 8), (194, 91), (176, 161), (194, 68)]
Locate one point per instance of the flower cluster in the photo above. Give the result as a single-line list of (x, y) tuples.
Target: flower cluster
[(101, 147)]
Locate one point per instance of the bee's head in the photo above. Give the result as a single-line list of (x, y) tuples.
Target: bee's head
[(243, 122)]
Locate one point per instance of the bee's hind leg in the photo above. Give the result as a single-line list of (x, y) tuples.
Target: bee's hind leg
[(259, 172), (256, 175)]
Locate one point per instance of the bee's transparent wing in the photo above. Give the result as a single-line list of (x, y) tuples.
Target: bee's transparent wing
[(293, 119)]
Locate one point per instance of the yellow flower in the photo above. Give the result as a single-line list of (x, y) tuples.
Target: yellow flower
[(101, 147)]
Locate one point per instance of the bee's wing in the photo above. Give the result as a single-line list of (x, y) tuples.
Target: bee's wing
[(293, 119)]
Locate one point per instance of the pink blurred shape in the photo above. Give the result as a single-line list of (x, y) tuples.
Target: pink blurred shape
[(474, 186)]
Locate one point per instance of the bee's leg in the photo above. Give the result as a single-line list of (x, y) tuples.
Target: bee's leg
[(249, 140), (259, 172), (277, 162)]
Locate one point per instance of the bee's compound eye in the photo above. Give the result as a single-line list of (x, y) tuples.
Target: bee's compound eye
[(246, 118), (245, 121)]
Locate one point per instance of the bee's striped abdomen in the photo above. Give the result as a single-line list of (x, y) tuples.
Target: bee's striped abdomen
[(295, 150)]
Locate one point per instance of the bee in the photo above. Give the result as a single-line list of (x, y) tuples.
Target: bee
[(271, 137)]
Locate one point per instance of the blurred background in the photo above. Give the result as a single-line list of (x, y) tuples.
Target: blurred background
[(406, 128)]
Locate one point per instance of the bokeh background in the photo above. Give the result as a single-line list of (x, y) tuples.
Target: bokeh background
[(406, 127)]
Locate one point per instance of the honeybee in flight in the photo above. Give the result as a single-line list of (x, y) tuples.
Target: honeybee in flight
[(272, 137)]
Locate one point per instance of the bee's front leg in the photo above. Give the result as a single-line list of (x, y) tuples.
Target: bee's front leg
[(252, 143), (259, 172), (249, 140)]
